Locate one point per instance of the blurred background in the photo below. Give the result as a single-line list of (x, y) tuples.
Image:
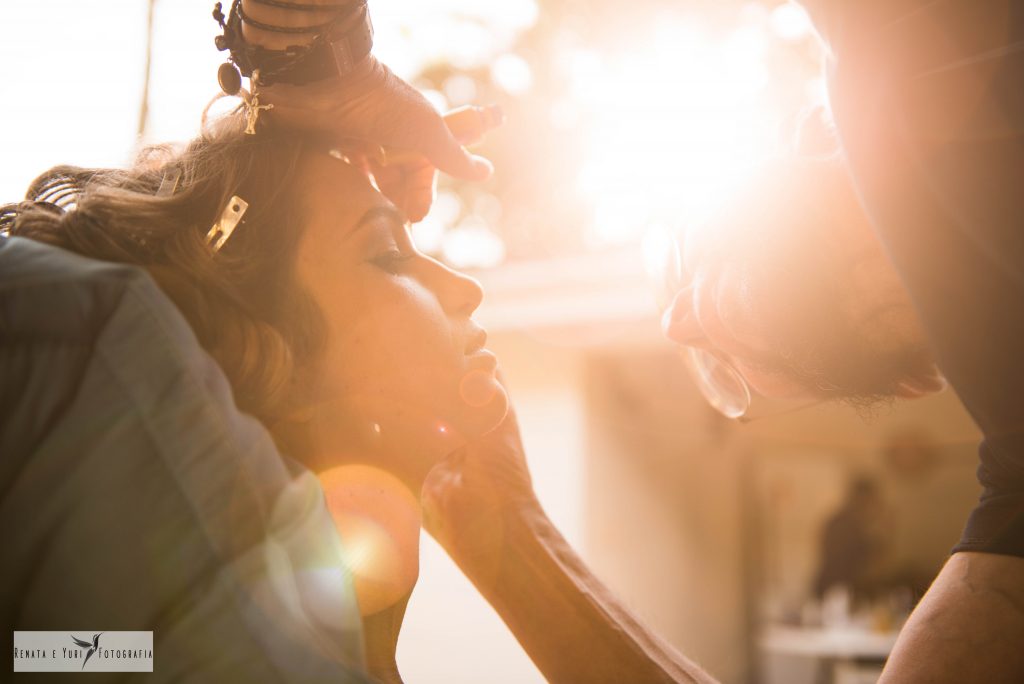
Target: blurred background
[(784, 550)]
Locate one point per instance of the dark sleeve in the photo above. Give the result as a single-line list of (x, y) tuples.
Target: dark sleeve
[(931, 114), (134, 495)]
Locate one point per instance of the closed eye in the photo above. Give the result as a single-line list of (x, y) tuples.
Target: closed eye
[(392, 261)]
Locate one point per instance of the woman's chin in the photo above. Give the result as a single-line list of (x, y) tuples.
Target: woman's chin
[(486, 416), (483, 404), (408, 438)]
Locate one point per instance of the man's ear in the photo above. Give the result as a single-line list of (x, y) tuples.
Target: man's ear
[(921, 384)]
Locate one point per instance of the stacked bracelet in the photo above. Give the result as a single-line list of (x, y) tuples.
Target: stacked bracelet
[(338, 47), (315, 28), (303, 7)]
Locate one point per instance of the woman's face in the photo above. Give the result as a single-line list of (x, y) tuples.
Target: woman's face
[(404, 379)]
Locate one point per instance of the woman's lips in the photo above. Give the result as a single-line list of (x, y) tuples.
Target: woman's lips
[(477, 340), (484, 358), (475, 351)]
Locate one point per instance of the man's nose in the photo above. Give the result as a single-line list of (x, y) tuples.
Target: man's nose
[(679, 322)]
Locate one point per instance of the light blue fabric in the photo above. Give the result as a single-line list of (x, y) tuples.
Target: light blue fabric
[(135, 496)]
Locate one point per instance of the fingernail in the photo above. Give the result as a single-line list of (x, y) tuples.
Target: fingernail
[(483, 167), (495, 116)]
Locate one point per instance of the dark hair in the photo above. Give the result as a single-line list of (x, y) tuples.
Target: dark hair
[(244, 302)]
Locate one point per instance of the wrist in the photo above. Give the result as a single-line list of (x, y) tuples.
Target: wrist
[(296, 46), (289, 19), (487, 542)]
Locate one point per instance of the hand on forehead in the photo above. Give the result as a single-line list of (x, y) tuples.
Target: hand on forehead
[(332, 183)]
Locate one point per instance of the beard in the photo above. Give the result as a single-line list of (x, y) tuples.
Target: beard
[(815, 337)]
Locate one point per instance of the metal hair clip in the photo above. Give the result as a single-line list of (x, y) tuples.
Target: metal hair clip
[(226, 224), (169, 184)]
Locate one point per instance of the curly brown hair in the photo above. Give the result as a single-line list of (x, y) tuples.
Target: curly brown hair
[(243, 302)]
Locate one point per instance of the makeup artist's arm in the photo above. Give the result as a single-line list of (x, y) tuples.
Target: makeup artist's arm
[(968, 627), (481, 507), (369, 104)]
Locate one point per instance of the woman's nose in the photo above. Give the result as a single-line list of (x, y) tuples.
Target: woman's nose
[(679, 323), (458, 293)]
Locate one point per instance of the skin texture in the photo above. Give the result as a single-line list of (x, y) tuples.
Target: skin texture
[(974, 607), (402, 382)]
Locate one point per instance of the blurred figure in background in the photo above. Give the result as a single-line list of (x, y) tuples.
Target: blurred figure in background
[(853, 542)]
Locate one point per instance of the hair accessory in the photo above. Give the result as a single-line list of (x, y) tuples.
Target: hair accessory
[(226, 224), (169, 184), (251, 102), (9, 213), (228, 78)]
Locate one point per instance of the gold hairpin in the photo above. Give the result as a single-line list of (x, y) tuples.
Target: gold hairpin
[(226, 224)]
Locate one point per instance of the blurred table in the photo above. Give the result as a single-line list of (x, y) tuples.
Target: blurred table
[(835, 648), (828, 642)]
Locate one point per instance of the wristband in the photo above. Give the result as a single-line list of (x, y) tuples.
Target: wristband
[(335, 52), (302, 7)]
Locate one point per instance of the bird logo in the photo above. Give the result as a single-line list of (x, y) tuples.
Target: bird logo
[(85, 644)]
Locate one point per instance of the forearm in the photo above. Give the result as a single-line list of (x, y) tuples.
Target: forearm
[(571, 626), (969, 627)]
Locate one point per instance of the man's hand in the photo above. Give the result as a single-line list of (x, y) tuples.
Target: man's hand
[(373, 105), (369, 108), (372, 108), (467, 497), (480, 505)]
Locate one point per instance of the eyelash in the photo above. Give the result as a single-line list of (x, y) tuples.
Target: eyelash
[(391, 260)]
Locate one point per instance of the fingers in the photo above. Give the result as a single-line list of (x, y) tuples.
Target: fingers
[(418, 195), (410, 187), (445, 152)]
